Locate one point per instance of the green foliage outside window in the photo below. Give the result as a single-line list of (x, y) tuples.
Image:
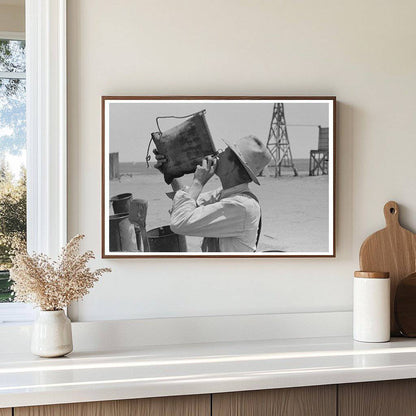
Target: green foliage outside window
[(12, 223), (12, 144)]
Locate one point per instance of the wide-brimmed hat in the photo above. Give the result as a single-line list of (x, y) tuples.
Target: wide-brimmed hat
[(253, 155)]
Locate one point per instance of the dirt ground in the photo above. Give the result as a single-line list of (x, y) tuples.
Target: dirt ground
[(295, 210)]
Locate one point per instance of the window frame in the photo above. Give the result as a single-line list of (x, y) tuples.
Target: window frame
[(46, 127), (12, 35)]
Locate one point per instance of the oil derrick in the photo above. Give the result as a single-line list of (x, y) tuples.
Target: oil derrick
[(278, 142)]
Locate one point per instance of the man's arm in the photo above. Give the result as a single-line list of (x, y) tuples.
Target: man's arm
[(221, 219), (160, 160), (177, 185), (202, 175)]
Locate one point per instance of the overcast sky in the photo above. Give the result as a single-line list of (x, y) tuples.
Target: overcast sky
[(131, 124)]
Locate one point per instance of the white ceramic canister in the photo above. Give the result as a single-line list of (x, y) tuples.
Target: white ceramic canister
[(52, 334), (371, 307)]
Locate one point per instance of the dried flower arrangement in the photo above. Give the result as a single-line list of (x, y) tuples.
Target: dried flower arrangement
[(52, 285)]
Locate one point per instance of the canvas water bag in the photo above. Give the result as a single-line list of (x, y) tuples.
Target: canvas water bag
[(184, 145)]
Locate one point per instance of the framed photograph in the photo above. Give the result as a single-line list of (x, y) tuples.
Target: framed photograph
[(218, 177)]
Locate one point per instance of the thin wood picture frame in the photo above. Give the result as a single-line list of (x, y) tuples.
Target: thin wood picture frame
[(297, 126)]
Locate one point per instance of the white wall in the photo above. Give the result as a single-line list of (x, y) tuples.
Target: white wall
[(361, 51)]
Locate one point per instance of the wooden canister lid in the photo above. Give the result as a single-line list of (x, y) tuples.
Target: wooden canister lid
[(372, 275)]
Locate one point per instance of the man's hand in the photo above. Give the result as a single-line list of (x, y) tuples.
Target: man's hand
[(206, 170), (161, 160)]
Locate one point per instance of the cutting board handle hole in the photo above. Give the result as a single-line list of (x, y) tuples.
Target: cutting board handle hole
[(392, 211)]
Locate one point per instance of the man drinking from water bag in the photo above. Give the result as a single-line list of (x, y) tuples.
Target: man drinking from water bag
[(228, 218)]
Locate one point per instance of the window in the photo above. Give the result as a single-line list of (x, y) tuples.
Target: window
[(12, 167), (12, 155)]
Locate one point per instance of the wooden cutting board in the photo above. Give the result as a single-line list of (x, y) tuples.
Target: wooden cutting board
[(393, 250)]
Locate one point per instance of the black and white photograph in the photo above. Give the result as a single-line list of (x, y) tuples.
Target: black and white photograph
[(224, 176)]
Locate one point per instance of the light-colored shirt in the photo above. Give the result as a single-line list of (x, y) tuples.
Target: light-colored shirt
[(228, 215)]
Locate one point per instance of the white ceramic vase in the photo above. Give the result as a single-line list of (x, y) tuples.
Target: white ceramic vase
[(52, 334)]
